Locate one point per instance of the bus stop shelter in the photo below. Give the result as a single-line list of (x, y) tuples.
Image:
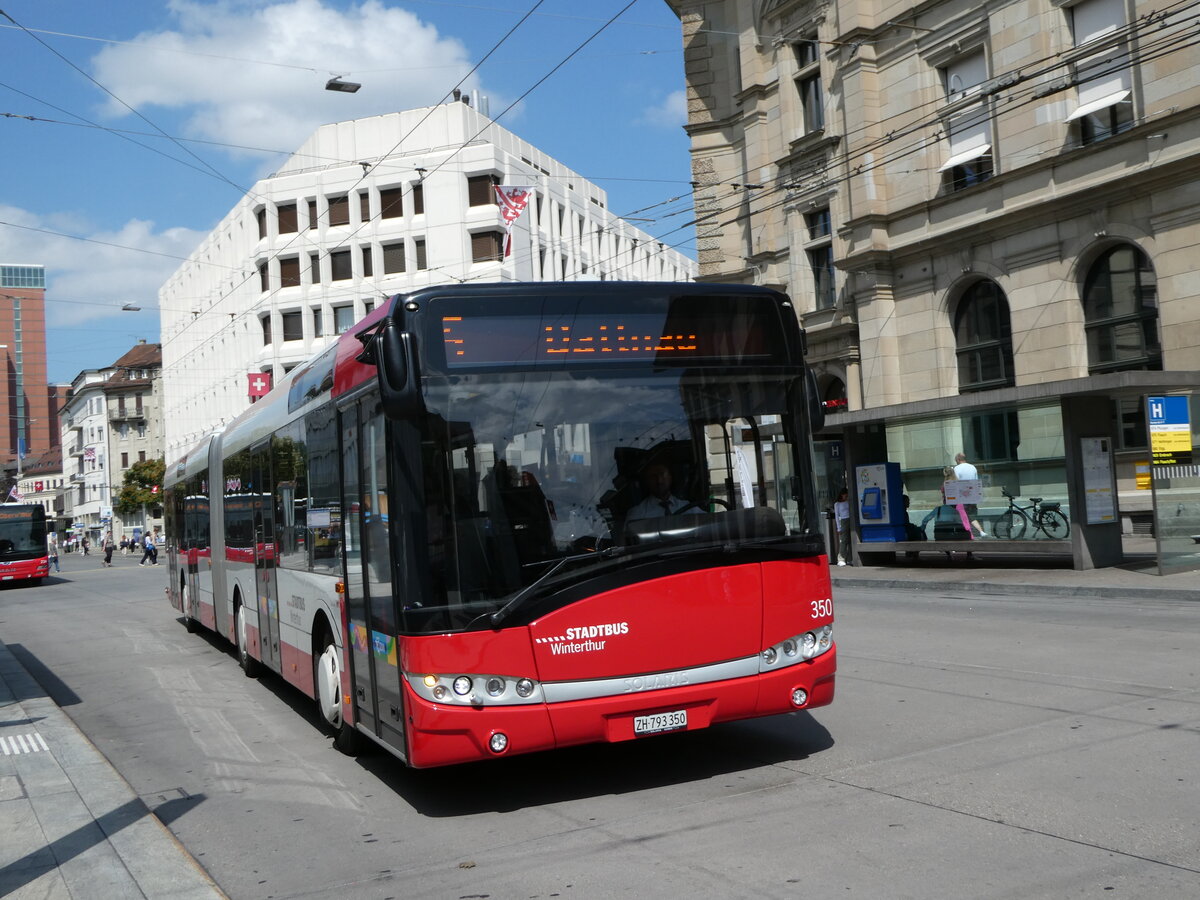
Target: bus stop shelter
[(1090, 444)]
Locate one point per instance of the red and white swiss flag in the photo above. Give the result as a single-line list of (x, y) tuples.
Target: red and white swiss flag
[(513, 200), (259, 384)]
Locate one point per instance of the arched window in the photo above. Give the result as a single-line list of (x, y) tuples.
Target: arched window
[(1120, 312), (833, 395), (983, 337)]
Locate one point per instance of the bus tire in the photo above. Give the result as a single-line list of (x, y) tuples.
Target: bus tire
[(248, 663), (188, 622), (327, 688)]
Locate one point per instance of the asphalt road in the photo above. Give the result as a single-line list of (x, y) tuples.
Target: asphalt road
[(991, 747)]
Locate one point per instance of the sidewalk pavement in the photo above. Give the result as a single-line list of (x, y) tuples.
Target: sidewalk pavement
[(1028, 575), (70, 826)]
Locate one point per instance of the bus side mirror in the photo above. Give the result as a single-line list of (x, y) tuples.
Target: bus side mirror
[(816, 409), (396, 364)]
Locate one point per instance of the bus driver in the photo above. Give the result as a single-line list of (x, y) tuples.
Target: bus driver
[(656, 482)]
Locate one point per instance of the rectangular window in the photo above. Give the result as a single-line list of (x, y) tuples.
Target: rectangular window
[(367, 261), (393, 258), (318, 331), (808, 84), (266, 329), (124, 460), (260, 216), (293, 326), (419, 250), (339, 210), (141, 456), (314, 267), (391, 203), (481, 190), (364, 206), (1105, 106), (818, 224), (339, 265), (137, 403), (289, 271), (418, 199), (287, 218), (486, 246), (264, 280), (343, 319), (820, 261), (141, 429), (312, 214)]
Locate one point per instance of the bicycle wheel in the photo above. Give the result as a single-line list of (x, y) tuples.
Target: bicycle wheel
[(1010, 525), (1054, 523)]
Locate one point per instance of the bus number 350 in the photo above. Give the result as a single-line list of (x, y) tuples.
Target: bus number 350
[(822, 608)]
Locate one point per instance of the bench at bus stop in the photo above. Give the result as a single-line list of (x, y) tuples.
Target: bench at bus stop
[(884, 553)]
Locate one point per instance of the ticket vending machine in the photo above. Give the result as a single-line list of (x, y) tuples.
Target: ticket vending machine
[(880, 497)]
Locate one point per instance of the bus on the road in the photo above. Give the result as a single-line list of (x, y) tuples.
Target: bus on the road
[(23, 551), (504, 518)]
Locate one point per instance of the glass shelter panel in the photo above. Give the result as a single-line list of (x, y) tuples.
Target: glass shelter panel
[(1015, 451)]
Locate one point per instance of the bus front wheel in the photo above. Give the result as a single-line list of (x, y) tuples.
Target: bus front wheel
[(248, 663), (327, 688)]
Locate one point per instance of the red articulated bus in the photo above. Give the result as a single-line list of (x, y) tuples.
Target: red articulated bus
[(498, 519), (23, 553)]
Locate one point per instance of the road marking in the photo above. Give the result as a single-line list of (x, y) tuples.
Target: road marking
[(22, 743)]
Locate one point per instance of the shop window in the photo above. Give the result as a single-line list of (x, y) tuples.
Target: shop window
[(983, 339), (1120, 307)]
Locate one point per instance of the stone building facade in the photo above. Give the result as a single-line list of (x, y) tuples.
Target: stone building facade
[(971, 204)]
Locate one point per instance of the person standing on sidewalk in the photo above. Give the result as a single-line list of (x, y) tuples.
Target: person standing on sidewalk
[(964, 471), (52, 553), (108, 546), (841, 518)]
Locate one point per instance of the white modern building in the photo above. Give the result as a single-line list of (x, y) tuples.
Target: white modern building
[(89, 495), (365, 209)]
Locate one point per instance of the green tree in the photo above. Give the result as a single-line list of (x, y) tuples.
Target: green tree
[(143, 486)]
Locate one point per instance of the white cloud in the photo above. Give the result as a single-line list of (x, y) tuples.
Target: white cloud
[(91, 279), (216, 68), (671, 112)]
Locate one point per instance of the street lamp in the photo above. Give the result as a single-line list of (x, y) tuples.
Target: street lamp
[(336, 84)]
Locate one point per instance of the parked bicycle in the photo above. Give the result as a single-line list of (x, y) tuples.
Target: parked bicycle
[(1048, 518)]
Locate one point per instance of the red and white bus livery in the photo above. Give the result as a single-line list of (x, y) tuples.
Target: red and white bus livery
[(497, 519), (23, 552)]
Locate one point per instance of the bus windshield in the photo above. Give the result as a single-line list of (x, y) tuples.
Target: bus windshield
[(22, 532), (529, 470)]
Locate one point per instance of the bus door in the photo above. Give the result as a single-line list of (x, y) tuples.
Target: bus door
[(265, 551), (369, 594)]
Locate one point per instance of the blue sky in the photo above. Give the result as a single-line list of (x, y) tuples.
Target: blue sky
[(150, 119)]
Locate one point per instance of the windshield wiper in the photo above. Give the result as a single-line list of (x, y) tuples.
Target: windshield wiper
[(522, 595)]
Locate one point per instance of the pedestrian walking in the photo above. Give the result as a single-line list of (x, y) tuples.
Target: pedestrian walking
[(149, 551), (964, 471), (52, 553), (108, 546), (841, 517), (84, 544)]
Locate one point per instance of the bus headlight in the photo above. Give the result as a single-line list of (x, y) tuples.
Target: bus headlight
[(475, 689), (796, 649)]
